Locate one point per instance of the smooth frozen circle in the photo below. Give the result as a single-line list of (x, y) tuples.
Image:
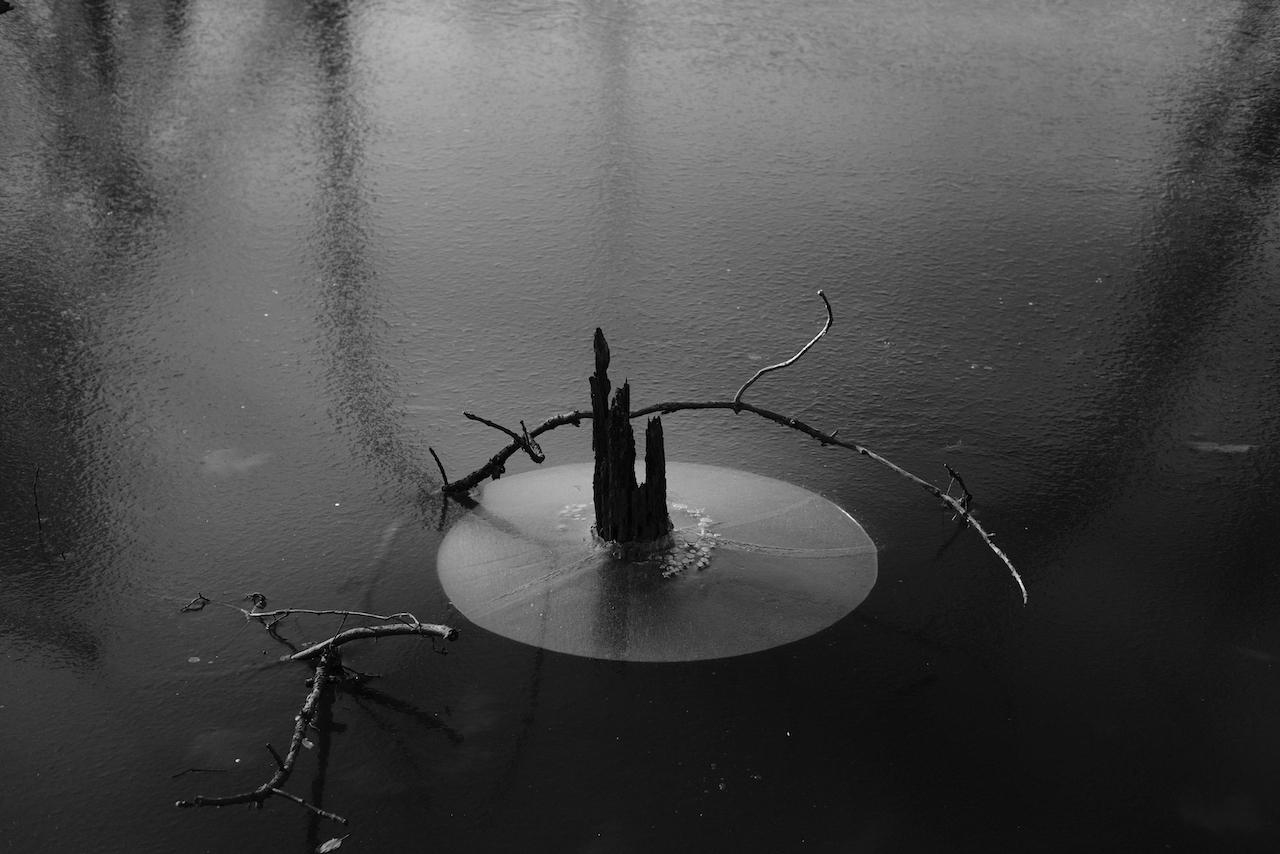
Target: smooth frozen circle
[(756, 563)]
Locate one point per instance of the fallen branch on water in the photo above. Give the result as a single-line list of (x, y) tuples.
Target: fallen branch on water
[(329, 672), (496, 465), (329, 662)]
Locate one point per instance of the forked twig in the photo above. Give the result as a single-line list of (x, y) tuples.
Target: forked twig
[(284, 767), (497, 463), (328, 670), (967, 498), (526, 442)]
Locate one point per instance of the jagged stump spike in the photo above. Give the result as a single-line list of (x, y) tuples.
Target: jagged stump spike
[(631, 515)]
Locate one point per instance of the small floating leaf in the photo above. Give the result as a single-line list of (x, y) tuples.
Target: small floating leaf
[(332, 845)]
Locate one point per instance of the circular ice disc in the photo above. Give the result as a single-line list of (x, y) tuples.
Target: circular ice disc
[(755, 563)]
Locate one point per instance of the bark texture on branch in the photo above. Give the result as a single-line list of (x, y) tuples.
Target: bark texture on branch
[(632, 515)]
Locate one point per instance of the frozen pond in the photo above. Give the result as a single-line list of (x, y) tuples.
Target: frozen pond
[(257, 257)]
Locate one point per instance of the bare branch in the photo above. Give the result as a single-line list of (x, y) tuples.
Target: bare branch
[(960, 506), (328, 662), (967, 499), (530, 445), (444, 478), (328, 669), (416, 628), (497, 463), (525, 442), (275, 756), (332, 816), (737, 398), (280, 613)]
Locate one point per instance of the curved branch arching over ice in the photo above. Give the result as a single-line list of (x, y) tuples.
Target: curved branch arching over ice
[(961, 506)]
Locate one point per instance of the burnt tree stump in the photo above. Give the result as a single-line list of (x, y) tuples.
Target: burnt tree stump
[(631, 516)]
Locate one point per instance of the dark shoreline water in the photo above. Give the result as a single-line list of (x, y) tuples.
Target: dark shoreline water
[(256, 258)]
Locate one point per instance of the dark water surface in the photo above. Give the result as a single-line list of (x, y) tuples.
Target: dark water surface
[(256, 257)]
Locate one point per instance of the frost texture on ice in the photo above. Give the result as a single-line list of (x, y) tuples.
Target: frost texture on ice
[(753, 563)]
